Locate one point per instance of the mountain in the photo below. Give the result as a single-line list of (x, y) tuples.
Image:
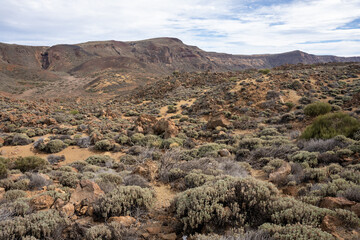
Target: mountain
[(114, 65)]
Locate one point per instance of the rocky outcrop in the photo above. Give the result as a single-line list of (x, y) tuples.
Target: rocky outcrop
[(166, 127)]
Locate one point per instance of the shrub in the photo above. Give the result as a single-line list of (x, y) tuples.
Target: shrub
[(37, 181), (230, 201), (20, 139), (210, 149), (350, 219), (352, 193), (98, 232), (331, 189), (30, 163), (100, 160), (42, 225), (53, 159), (3, 170), (171, 109), (172, 142), (196, 179), (296, 231), (124, 200), (304, 157), (12, 195), (287, 210), (331, 125), (69, 179), (317, 108), (55, 146), (104, 145), (136, 180), (264, 71)]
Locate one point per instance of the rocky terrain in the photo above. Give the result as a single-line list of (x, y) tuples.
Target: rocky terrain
[(250, 154), (113, 66)]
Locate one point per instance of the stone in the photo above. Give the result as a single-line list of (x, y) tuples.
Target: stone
[(280, 174), (148, 170), (86, 190), (125, 221), (224, 153), (166, 127), (153, 230), (145, 123), (42, 202), (170, 236), (336, 202), (68, 209), (218, 121)]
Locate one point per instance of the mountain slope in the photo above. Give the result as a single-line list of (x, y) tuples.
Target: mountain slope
[(116, 64)]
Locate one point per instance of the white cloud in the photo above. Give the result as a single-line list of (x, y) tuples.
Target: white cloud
[(225, 26)]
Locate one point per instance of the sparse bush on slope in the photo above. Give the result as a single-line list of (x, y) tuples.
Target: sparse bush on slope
[(317, 108), (331, 125)]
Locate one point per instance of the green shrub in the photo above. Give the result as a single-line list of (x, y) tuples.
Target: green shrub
[(196, 179), (41, 225), (305, 157), (171, 142), (104, 145), (30, 163), (69, 179), (99, 160), (250, 143), (350, 219), (98, 232), (124, 200), (332, 189), (210, 149), (12, 195), (3, 170), (331, 125), (264, 71), (287, 210), (136, 138), (317, 108), (171, 109), (55, 146), (296, 232)]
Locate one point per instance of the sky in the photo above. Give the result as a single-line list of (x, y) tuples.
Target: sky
[(324, 27)]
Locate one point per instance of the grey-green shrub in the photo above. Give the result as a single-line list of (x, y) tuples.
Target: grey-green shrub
[(42, 225), (124, 200), (55, 146), (30, 163), (317, 108), (99, 160)]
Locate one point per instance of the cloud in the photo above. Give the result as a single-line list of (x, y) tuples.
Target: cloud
[(238, 27)]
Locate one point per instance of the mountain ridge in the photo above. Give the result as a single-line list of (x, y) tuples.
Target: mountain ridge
[(113, 65)]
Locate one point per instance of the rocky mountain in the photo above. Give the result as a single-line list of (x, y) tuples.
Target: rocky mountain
[(109, 65)]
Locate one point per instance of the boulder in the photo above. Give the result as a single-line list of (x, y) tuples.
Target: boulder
[(166, 127), (68, 209), (125, 221), (218, 121), (224, 153), (88, 190), (336, 202), (280, 174), (42, 202), (148, 170), (145, 123)]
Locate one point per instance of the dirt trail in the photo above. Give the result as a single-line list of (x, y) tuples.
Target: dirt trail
[(164, 196)]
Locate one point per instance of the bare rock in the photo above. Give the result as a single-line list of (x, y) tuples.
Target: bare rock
[(145, 123), (280, 174), (170, 236), (336, 202), (218, 121), (42, 202), (68, 209), (88, 190), (148, 170), (224, 153), (166, 127), (125, 221)]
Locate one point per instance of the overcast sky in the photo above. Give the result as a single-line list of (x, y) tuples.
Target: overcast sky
[(237, 27)]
